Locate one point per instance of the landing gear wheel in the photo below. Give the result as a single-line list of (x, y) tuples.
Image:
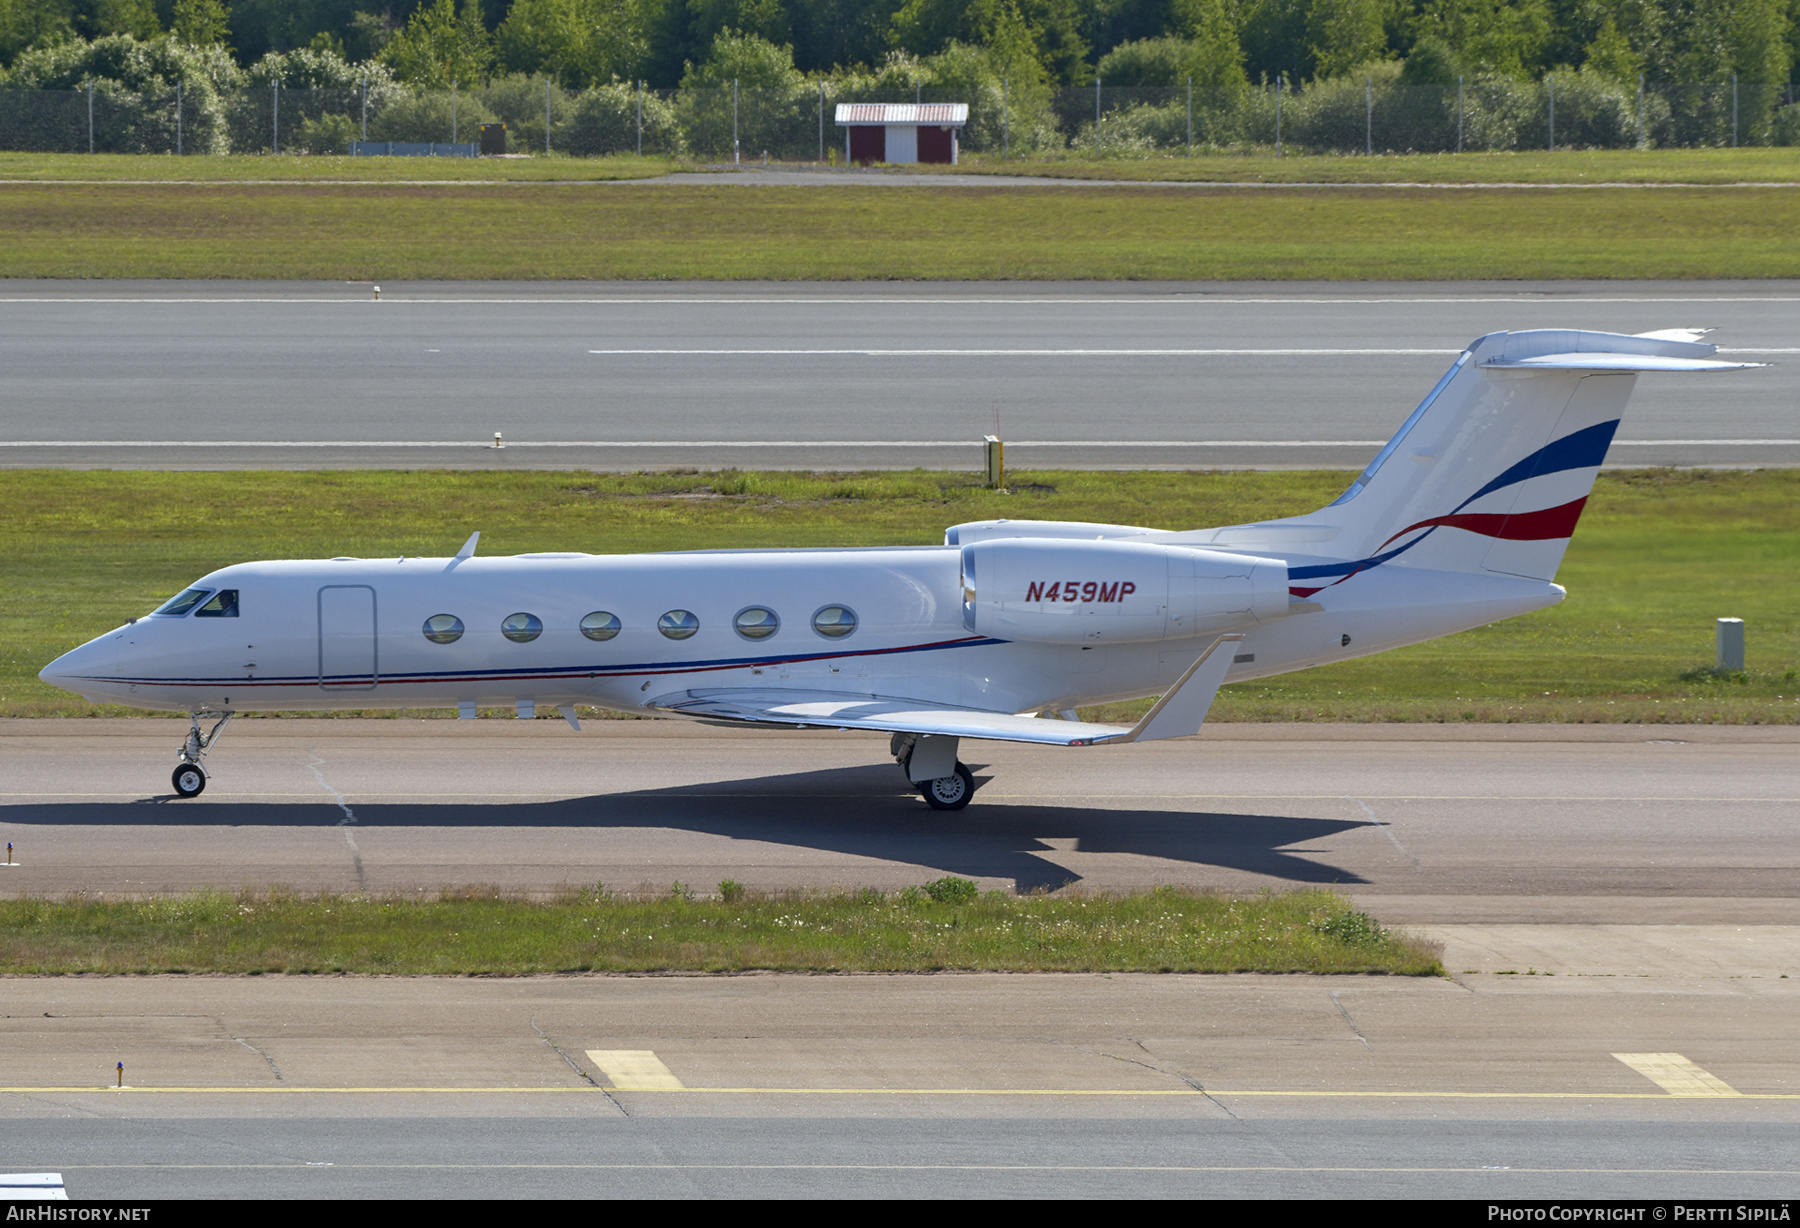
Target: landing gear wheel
[(949, 792), (188, 780)]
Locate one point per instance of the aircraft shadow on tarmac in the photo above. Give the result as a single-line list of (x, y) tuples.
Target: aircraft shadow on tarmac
[(863, 811)]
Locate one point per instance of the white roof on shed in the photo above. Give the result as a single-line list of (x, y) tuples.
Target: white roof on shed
[(943, 114)]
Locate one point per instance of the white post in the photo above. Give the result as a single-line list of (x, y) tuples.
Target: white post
[(365, 107), (90, 115), (546, 117), (1550, 83), (1729, 637), (734, 121), (1459, 112), (1279, 81), (178, 119), (1190, 89), (821, 119), (1369, 116), (275, 120), (640, 117)]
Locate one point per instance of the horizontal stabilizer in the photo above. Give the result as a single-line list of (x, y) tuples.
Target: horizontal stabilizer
[(1614, 362)]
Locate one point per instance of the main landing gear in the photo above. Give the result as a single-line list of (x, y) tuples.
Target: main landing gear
[(189, 778), (931, 766)]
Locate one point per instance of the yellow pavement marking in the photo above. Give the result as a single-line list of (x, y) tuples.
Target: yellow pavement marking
[(635, 1070), (1676, 1075)]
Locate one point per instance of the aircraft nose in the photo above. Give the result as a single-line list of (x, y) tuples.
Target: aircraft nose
[(94, 659)]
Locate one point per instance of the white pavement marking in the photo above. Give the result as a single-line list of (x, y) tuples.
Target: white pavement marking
[(1091, 353), (1676, 1075), (635, 1070), (32, 1187), (806, 443), (1387, 830), (1046, 353), (1198, 298)]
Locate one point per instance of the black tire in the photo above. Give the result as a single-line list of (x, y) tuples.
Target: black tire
[(949, 792), (188, 780)]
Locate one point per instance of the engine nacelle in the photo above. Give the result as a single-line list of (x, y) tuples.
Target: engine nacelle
[(1072, 530), (1052, 591)]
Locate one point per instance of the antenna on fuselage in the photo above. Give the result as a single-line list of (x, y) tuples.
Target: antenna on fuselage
[(468, 550)]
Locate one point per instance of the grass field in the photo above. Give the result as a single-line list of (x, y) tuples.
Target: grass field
[(1658, 166), (286, 168), (631, 232), (1658, 555), (944, 926), (1587, 166)]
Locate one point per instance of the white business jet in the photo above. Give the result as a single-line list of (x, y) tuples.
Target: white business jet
[(999, 633)]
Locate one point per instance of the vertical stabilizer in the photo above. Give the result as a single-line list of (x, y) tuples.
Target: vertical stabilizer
[(1492, 470)]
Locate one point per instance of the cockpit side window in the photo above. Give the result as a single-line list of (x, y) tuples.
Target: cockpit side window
[(184, 601), (224, 604)]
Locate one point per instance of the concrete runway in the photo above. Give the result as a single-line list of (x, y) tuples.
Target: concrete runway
[(1650, 871), (635, 375), (943, 1086)]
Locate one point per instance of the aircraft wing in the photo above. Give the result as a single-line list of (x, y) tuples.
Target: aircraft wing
[(1177, 714), (829, 710)]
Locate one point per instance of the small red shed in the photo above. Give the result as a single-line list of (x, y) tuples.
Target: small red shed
[(901, 131)]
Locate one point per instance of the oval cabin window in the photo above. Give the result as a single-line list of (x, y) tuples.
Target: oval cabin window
[(835, 621), (600, 625), (678, 624), (443, 628), (521, 628), (756, 623)]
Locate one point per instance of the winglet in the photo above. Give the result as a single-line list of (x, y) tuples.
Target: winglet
[(568, 714), (468, 550), (1180, 713)]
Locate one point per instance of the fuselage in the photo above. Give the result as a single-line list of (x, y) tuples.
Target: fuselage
[(436, 632)]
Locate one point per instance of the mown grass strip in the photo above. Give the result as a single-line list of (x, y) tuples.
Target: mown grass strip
[(1637, 166), (479, 932), (257, 168), (1659, 554), (1586, 166), (643, 232)]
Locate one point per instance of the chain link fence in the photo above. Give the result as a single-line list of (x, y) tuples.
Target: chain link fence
[(1369, 115)]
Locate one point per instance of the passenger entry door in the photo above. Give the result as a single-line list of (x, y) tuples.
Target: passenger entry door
[(347, 660)]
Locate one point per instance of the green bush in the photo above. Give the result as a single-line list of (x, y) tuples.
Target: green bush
[(328, 134), (428, 117), (604, 120), (952, 890)]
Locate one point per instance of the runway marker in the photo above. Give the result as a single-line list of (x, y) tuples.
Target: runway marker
[(635, 1070), (1676, 1075)]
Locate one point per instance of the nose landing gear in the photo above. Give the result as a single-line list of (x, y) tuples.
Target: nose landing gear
[(189, 778)]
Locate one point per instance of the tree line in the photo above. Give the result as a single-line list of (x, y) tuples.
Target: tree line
[(1215, 44)]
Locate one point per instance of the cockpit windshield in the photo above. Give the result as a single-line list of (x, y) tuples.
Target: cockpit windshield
[(182, 602), (224, 604)]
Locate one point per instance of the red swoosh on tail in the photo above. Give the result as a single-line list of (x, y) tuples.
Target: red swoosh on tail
[(1545, 525)]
